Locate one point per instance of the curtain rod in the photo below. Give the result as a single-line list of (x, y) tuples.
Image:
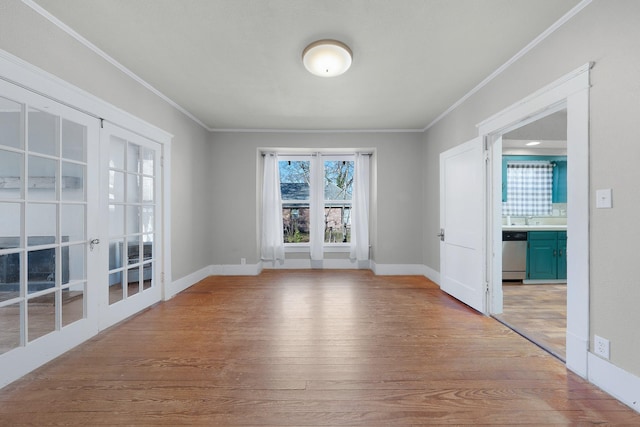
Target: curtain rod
[(263, 153)]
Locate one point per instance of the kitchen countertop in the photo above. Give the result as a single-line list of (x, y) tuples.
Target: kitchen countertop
[(534, 227)]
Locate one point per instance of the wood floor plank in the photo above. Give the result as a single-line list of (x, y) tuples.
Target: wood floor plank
[(308, 348)]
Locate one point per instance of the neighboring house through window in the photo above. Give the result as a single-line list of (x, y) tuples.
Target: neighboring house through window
[(297, 188)]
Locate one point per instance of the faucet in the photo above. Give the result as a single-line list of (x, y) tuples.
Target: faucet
[(527, 220)]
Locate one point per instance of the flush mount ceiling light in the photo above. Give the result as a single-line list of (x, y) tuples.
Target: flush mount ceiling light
[(327, 58), (533, 143)]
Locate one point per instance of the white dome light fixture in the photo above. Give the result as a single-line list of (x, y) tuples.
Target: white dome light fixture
[(327, 58)]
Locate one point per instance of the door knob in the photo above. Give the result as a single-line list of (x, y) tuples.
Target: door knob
[(93, 242), (441, 234)]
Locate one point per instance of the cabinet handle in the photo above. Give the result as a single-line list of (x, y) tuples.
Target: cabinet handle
[(560, 252), (555, 252)]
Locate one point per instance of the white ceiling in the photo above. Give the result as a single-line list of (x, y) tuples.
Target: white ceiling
[(236, 64)]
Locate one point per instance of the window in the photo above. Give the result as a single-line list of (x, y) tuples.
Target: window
[(529, 189), (338, 191), (295, 180), (297, 189)]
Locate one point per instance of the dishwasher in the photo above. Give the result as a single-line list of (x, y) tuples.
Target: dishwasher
[(514, 255)]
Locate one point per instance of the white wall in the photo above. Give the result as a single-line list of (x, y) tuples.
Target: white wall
[(396, 222), (607, 33), (32, 38)]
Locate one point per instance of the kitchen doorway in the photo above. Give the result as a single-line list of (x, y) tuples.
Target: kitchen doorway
[(570, 92), (534, 227)]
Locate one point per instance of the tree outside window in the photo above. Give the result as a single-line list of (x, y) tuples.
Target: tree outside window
[(296, 189)]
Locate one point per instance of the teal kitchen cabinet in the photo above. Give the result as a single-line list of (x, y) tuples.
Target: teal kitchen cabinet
[(559, 194), (546, 255), (562, 254)]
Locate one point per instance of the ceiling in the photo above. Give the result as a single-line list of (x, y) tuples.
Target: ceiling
[(550, 131), (236, 64)]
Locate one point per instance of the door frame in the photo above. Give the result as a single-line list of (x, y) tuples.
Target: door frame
[(16, 71), (571, 92)]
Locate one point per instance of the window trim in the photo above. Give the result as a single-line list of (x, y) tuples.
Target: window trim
[(327, 247)]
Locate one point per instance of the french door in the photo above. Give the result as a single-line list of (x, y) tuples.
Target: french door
[(131, 194), (48, 216), (80, 227)]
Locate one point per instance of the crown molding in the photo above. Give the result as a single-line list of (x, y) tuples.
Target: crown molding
[(64, 27), (574, 11), (535, 42)]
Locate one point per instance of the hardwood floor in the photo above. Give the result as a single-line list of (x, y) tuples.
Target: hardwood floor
[(308, 348), (538, 312)]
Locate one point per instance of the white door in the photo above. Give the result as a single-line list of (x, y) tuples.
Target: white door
[(131, 195), (48, 216), (462, 223)]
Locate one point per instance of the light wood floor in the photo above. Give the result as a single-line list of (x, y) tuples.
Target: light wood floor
[(538, 312), (308, 348)]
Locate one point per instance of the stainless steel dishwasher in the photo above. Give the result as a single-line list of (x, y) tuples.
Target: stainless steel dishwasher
[(514, 255)]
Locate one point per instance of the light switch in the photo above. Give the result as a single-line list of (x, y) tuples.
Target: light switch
[(603, 198)]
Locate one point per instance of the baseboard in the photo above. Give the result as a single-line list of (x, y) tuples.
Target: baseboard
[(544, 281), (236, 269), (305, 264), (398, 269), (23, 360), (431, 274), (619, 383), (183, 283), (577, 354)]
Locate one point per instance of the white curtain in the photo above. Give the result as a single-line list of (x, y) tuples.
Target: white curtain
[(272, 239), (316, 209), (360, 214)]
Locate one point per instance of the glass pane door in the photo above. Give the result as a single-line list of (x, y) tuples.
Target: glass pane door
[(47, 167), (132, 200)]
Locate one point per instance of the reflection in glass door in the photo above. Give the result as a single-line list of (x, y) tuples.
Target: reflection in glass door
[(45, 269), (133, 200)]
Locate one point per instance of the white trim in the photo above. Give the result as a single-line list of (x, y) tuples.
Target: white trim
[(179, 285), (543, 282), (22, 360), (571, 90), (576, 349), (30, 77), (535, 42), (328, 248), (431, 274), (337, 131), (398, 269), (236, 269), (548, 99), (308, 264), (619, 383), (64, 27), (167, 275)]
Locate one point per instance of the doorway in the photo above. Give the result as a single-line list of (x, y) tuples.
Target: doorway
[(55, 204), (570, 92), (534, 229)]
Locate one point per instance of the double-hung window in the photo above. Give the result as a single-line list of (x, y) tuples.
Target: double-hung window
[(295, 190), (338, 192), (335, 190)]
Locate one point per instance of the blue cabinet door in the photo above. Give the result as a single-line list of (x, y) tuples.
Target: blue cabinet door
[(542, 255), (547, 255), (559, 194), (562, 254)]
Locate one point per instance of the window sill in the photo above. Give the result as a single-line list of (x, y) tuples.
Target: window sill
[(305, 248)]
